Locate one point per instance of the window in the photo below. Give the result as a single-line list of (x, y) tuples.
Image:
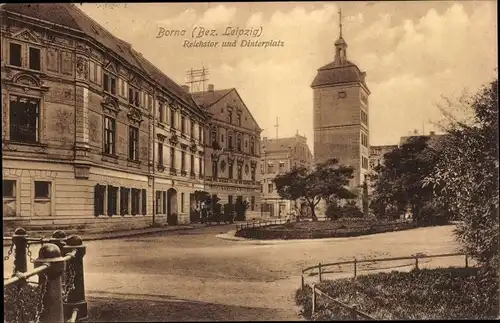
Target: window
[(163, 113), (172, 118), (282, 167), (9, 189), (109, 135), (200, 131), (222, 138), (270, 168), (164, 203), (109, 83), (144, 200), (112, 200), (99, 197), (42, 190), (230, 170), (136, 201), (191, 133), (230, 114), (252, 203), (253, 174), (200, 167), (270, 187), (133, 143), (214, 136), (252, 147), (182, 202), (24, 119), (364, 140), (214, 169), (183, 124), (133, 97), (183, 161), (34, 59), (15, 55), (230, 141), (160, 154), (364, 162), (172, 157), (192, 164), (238, 120), (124, 200), (238, 143), (364, 117), (261, 188), (240, 172)]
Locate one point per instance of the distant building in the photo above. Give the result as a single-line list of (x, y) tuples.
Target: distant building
[(232, 148), (280, 156), (377, 154)]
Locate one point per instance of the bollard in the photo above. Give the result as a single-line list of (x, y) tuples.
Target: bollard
[(52, 310), (59, 239), (466, 261), (313, 299), (355, 268), (19, 240), (320, 272), (76, 297)]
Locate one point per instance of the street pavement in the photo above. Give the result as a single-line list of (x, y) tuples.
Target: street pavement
[(194, 275)]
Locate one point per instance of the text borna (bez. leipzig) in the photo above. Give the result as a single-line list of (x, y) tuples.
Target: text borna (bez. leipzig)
[(199, 32)]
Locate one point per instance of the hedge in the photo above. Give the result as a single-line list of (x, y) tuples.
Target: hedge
[(444, 293)]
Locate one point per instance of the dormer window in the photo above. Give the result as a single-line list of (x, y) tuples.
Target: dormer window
[(109, 83)]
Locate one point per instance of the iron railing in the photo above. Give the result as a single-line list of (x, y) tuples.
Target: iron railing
[(353, 309), (258, 224), (59, 267)]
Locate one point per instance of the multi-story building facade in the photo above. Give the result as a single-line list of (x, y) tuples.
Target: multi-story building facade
[(91, 129), (377, 154), (279, 156), (341, 114), (232, 148)]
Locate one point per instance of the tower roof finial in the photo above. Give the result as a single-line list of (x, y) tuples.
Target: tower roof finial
[(340, 22)]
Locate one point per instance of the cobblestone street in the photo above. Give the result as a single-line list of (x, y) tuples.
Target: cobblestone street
[(193, 275)]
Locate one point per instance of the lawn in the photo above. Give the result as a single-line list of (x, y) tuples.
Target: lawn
[(443, 293), (347, 227)]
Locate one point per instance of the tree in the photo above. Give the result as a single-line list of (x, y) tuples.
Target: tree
[(399, 181), (466, 180), (327, 181)]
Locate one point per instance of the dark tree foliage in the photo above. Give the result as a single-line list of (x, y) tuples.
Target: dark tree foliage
[(399, 181), (466, 180), (326, 181)]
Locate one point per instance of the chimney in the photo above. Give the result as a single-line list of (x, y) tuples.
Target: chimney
[(210, 87), (185, 88), (432, 133)]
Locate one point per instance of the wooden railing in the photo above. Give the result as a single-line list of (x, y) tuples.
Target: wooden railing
[(355, 313)]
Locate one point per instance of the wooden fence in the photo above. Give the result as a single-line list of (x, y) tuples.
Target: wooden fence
[(353, 309)]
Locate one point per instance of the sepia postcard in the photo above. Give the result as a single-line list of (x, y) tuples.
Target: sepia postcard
[(250, 161)]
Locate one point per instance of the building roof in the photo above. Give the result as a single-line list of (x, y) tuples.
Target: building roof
[(277, 145), (334, 73), (209, 98), (434, 139), (69, 15)]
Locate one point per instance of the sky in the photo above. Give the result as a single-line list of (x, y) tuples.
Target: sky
[(414, 53)]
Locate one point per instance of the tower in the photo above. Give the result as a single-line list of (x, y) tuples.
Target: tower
[(341, 113)]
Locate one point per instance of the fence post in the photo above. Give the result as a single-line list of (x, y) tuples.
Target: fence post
[(466, 261), (313, 299), (52, 302), (19, 240), (355, 267), (76, 297), (320, 272), (416, 262), (354, 312)]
